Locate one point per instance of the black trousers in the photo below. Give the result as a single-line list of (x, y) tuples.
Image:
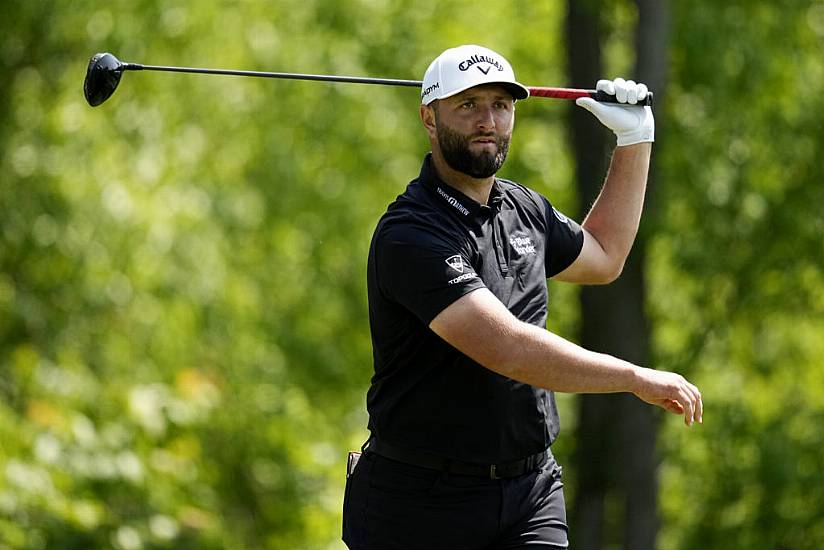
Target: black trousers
[(390, 505)]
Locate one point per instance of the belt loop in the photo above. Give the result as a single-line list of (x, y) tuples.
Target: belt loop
[(493, 474)]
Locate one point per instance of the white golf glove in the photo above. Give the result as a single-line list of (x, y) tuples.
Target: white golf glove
[(631, 123)]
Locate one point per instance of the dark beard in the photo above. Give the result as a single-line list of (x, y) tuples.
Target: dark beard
[(456, 153)]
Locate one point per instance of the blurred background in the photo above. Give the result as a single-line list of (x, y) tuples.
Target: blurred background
[(184, 343)]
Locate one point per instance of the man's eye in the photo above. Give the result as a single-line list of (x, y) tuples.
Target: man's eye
[(467, 105)]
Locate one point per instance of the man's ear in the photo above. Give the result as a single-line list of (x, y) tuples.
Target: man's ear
[(428, 119)]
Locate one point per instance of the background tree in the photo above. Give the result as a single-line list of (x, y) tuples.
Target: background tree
[(616, 437), (737, 296)]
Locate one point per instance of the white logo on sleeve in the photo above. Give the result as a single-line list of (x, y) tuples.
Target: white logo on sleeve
[(456, 263)]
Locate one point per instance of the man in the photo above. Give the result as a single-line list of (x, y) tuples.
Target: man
[(461, 409)]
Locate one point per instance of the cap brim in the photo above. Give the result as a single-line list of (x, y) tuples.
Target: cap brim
[(518, 91)]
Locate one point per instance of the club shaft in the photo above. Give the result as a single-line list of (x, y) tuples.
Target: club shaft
[(536, 91), (288, 76)]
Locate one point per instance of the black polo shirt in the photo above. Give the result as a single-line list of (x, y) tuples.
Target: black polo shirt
[(434, 245)]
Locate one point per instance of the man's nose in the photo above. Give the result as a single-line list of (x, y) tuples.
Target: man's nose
[(486, 119)]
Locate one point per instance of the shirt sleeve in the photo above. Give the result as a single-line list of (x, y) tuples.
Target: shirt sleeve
[(565, 239), (421, 270)]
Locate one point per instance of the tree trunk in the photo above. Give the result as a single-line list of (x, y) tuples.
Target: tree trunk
[(639, 426), (615, 458), (591, 458)]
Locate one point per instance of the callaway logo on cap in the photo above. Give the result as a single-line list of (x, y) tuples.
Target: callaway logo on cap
[(461, 68)]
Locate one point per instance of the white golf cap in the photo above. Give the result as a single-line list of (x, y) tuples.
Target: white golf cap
[(461, 68)]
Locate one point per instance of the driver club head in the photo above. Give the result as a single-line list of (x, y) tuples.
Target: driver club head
[(102, 78)]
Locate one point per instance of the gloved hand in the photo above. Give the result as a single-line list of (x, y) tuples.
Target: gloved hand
[(631, 123)]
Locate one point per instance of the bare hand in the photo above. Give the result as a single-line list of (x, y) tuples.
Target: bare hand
[(671, 392)]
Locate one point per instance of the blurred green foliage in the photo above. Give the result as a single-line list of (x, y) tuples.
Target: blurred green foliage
[(184, 346), (738, 284), (183, 330)]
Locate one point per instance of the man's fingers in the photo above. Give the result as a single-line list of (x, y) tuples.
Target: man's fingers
[(632, 92), (673, 393), (621, 90), (699, 409), (673, 406), (625, 91), (687, 401), (694, 405), (587, 103), (605, 86)]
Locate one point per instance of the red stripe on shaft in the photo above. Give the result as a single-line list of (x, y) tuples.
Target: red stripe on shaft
[(560, 93)]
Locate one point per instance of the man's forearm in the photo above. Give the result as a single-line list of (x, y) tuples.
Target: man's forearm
[(541, 358), (481, 327), (616, 213)]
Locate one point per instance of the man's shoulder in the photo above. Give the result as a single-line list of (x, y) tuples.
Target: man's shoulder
[(413, 215), (413, 199), (416, 204), (521, 194)]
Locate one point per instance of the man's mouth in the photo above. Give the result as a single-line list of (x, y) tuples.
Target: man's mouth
[(484, 140)]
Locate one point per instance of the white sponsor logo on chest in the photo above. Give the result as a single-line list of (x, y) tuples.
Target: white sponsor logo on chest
[(522, 244)]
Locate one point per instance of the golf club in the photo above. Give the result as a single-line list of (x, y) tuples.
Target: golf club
[(105, 70)]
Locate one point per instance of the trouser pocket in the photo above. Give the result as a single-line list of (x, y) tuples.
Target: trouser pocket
[(354, 502)]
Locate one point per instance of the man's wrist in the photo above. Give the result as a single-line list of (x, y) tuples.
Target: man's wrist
[(624, 376), (640, 146), (631, 377)]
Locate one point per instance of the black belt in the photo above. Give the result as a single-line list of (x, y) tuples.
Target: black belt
[(425, 460)]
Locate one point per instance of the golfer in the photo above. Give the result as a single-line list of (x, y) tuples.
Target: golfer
[(462, 414)]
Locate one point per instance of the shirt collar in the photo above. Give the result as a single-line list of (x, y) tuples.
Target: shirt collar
[(466, 208)]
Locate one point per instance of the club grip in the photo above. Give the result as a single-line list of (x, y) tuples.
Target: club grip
[(575, 93)]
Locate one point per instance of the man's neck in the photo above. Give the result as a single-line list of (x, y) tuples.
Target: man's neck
[(474, 188)]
